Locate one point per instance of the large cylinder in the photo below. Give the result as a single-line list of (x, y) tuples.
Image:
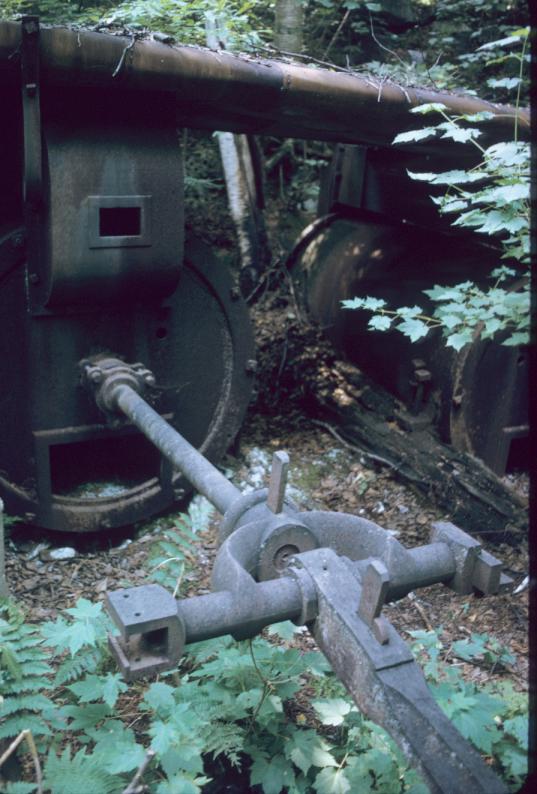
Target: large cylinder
[(477, 398)]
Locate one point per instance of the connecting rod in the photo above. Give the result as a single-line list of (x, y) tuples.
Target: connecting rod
[(182, 455), (118, 387)]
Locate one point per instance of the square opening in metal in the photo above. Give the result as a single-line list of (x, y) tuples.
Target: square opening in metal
[(120, 221)]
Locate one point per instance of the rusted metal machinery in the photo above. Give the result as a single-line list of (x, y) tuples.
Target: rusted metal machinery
[(377, 235), (329, 571), (93, 265)]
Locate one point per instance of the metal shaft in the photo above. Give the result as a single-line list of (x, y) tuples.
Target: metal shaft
[(217, 614), (199, 472)]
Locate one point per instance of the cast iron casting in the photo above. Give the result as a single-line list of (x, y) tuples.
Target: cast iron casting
[(93, 258), (374, 238), (332, 572)]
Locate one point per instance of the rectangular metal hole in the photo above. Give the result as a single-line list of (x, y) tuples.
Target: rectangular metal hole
[(101, 467), (120, 221), (155, 641)]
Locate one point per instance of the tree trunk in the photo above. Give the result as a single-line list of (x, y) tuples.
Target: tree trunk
[(289, 25), (243, 188)]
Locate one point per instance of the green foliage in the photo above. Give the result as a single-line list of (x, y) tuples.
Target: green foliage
[(485, 649), (182, 19), (492, 199), (84, 634), (23, 670), (82, 772), (173, 552), (493, 717), (231, 705)]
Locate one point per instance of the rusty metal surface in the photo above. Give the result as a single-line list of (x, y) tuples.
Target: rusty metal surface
[(360, 253), (198, 344), (217, 90)]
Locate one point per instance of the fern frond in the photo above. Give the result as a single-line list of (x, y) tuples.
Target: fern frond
[(34, 681), (83, 773), (87, 660), (24, 677), (13, 725), (226, 738), (33, 702), (19, 787)]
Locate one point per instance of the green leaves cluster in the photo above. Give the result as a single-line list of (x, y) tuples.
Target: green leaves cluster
[(462, 312), (184, 20), (230, 707), (493, 199), (23, 668), (171, 556), (494, 718)]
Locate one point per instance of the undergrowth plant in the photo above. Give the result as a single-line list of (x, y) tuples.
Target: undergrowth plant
[(271, 714), (492, 198)]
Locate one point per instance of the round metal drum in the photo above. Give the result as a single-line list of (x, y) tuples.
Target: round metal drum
[(342, 256)]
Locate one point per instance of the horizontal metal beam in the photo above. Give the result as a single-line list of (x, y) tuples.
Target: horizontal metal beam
[(218, 90)]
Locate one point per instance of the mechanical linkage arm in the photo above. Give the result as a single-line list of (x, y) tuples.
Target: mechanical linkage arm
[(332, 572)]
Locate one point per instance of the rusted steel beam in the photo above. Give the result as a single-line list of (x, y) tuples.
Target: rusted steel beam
[(218, 90)]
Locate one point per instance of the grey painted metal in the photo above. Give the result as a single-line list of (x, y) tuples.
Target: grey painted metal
[(333, 572), (278, 481), (388, 685), (341, 604), (200, 473), (154, 627)]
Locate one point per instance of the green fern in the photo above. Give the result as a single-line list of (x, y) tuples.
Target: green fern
[(172, 555), (87, 660), (83, 773), (19, 787), (226, 738), (23, 676)]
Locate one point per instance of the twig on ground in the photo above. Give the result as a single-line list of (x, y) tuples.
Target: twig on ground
[(134, 787), (370, 455), (121, 61), (283, 357), (382, 46), (336, 34), (415, 602), (301, 57), (26, 735)]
